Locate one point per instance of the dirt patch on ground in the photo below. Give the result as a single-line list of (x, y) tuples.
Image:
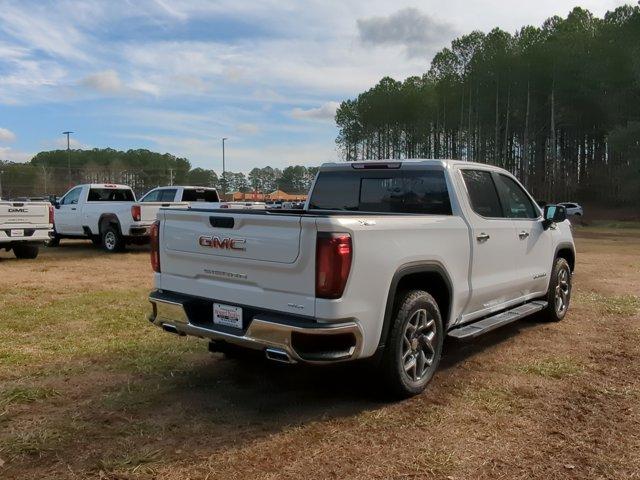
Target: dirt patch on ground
[(89, 390)]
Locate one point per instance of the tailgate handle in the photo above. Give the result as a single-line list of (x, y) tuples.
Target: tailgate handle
[(222, 222)]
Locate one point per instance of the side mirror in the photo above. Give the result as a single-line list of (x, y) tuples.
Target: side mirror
[(554, 214)]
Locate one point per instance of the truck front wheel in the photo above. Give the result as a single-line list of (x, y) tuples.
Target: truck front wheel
[(25, 251), (559, 295), (413, 350), (112, 240)]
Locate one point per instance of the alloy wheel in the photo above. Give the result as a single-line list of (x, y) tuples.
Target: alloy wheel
[(418, 345)]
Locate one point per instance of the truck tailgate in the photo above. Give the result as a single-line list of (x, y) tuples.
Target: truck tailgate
[(240, 258), (24, 214)]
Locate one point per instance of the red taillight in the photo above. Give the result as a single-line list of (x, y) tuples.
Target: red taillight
[(135, 213), (333, 262), (155, 246), (51, 214)]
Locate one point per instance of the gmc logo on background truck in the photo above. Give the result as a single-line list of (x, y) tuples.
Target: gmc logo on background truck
[(224, 243)]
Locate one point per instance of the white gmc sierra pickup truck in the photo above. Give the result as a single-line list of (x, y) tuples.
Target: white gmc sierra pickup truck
[(24, 226), (386, 260)]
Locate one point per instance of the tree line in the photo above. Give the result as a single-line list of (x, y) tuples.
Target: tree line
[(53, 172), (558, 105)]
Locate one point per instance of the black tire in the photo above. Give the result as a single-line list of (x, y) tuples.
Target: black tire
[(112, 240), (404, 344), (53, 242), (26, 251), (559, 294)]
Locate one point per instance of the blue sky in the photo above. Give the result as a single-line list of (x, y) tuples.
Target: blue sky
[(177, 76)]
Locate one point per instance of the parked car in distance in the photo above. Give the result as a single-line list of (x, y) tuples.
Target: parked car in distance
[(24, 226), (206, 197), (105, 213), (386, 260), (572, 208)]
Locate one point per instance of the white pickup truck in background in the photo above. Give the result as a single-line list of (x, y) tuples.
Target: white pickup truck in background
[(206, 197), (386, 260), (108, 214), (24, 226)]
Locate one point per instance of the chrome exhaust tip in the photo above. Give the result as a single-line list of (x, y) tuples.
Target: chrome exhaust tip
[(167, 327), (278, 355)]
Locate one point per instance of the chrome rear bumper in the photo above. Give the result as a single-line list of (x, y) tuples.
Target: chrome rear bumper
[(265, 332)]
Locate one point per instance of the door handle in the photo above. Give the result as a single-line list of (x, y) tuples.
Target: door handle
[(73, 208), (483, 237), (523, 235)]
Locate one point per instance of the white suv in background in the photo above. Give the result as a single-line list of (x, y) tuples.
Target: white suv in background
[(572, 208)]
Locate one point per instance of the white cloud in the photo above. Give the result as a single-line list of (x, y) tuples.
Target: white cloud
[(106, 81), (11, 155), (6, 135), (248, 128), (416, 31), (240, 156), (325, 112), (50, 30)]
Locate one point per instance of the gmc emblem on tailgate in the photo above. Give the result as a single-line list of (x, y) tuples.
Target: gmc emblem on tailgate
[(222, 243)]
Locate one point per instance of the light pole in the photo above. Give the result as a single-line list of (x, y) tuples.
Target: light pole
[(224, 182), (68, 159), (1, 172)]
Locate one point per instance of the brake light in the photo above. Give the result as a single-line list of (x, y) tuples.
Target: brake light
[(135, 213), (155, 246), (333, 263), (51, 214)]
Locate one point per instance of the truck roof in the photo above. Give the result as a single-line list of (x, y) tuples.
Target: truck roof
[(105, 185), (183, 186), (427, 162)]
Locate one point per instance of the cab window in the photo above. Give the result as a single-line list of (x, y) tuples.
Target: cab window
[(72, 197), (482, 193), (515, 200), (167, 195), (152, 196)]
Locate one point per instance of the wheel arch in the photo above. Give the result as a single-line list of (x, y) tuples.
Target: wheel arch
[(430, 276), (106, 220), (566, 251)]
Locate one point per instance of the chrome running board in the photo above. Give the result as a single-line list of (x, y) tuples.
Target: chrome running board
[(475, 329)]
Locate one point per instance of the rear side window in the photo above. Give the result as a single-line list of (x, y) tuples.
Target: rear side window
[(110, 195), (482, 193), (516, 202), (200, 195), (400, 191)]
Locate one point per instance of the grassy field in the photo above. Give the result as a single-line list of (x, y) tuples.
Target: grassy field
[(88, 389)]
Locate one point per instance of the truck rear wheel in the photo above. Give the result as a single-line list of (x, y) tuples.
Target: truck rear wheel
[(112, 240), (26, 251), (413, 350)]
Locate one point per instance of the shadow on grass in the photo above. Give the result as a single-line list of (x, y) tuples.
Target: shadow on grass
[(205, 404)]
